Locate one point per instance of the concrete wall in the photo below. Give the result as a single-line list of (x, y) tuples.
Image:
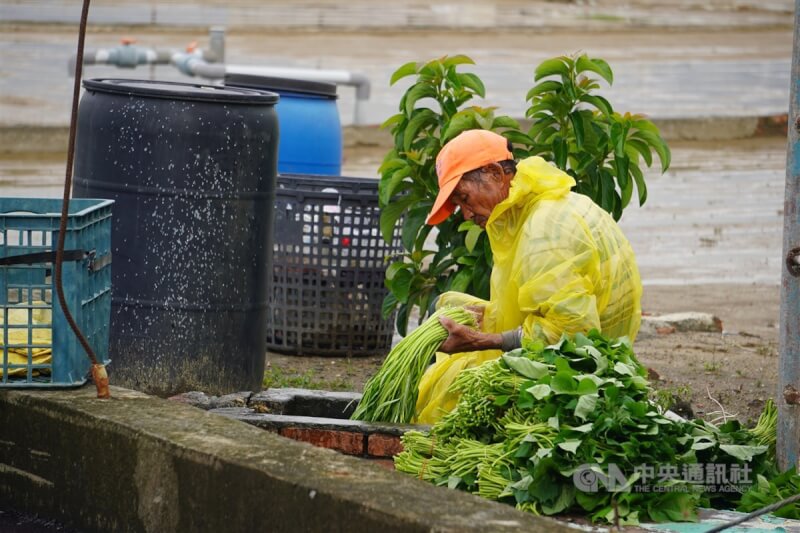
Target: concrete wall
[(139, 463)]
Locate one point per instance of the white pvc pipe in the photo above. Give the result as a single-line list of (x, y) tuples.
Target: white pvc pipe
[(339, 77)]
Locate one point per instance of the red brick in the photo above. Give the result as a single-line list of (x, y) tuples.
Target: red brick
[(379, 445), (342, 441)]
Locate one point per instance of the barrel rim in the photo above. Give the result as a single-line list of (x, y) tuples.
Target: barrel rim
[(170, 90), (271, 83)]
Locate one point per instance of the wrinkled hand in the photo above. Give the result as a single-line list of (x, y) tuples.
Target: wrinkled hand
[(465, 339), (477, 312)]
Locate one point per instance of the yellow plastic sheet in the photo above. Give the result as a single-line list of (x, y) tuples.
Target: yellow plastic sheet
[(561, 264), (18, 316)]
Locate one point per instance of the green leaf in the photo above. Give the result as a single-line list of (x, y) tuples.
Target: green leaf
[(587, 385), (433, 69), (584, 428), (658, 145), (544, 87), (473, 82), (392, 213), (560, 151), (595, 65), (417, 92), (401, 285), (387, 187), (551, 67), (563, 383), (743, 453), (391, 164), (565, 500), (461, 121), (577, 127), (570, 445), (621, 166), (484, 119), (402, 319), (394, 268), (406, 70), (618, 138), (458, 60), (641, 187), (394, 119), (641, 148), (502, 400), (415, 218), (607, 190), (517, 137), (461, 280), (526, 367), (504, 122), (645, 125), (420, 118), (540, 124), (599, 102), (466, 225), (586, 405), (472, 237), (623, 369), (540, 391), (626, 186), (389, 304)]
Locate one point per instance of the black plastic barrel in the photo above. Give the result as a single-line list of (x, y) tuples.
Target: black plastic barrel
[(311, 132), (192, 169)]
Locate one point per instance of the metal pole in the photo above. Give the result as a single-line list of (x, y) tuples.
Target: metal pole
[(789, 388)]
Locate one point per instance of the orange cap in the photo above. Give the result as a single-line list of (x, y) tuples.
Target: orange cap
[(467, 151)]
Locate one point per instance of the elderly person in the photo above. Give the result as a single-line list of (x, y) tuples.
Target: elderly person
[(561, 263)]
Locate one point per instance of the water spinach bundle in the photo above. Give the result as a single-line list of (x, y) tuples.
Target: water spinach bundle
[(572, 427), (391, 394)]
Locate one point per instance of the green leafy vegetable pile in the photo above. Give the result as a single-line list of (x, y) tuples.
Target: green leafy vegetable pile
[(391, 394), (571, 428)]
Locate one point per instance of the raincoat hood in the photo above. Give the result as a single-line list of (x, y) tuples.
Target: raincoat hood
[(535, 180)]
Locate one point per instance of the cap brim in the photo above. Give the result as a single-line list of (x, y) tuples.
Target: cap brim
[(443, 207)]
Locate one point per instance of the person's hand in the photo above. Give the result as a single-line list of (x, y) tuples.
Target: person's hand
[(477, 312), (465, 339)]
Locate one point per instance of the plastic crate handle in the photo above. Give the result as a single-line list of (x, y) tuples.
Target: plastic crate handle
[(94, 265)]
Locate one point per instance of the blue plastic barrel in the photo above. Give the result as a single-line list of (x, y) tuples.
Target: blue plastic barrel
[(310, 129)]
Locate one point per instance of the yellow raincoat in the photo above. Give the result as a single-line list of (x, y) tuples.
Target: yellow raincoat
[(561, 264)]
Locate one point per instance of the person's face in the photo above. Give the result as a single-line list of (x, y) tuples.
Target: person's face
[(477, 199)]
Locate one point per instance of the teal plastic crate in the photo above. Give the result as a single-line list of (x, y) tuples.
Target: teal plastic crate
[(37, 346)]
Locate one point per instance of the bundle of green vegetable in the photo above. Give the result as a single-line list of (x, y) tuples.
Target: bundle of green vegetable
[(391, 394), (551, 429)]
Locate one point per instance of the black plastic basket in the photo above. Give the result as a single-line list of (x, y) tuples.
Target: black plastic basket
[(329, 264)]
